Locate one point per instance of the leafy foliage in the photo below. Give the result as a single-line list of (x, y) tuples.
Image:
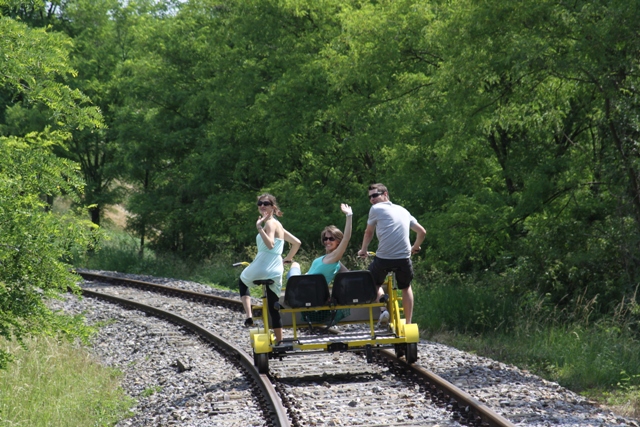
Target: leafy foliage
[(35, 241), (500, 125), (508, 128), (37, 244)]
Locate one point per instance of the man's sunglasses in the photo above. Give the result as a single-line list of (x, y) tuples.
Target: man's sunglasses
[(261, 203), (374, 195), (331, 239)]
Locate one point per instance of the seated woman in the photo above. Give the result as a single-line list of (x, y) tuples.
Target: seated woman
[(335, 244)]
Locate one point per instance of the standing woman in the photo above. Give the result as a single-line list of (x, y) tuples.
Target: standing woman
[(268, 264)]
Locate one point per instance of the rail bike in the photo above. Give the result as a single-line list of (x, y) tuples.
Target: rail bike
[(310, 307)]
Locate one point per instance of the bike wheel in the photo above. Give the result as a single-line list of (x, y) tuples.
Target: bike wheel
[(261, 362), (412, 352)]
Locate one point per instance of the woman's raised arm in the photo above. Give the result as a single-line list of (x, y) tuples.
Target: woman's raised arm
[(336, 255), (268, 232)]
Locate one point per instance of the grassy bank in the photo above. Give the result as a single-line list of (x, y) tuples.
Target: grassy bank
[(583, 360), (598, 359), (596, 356), (54, 383), (120, 252)]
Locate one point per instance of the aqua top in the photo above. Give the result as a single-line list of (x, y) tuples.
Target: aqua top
[(266, 265), (327, 270)]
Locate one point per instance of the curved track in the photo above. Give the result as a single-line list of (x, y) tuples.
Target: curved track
[(275, 413), (309, 386)]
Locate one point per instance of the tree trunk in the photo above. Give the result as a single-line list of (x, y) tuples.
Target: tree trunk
[(95, 214)]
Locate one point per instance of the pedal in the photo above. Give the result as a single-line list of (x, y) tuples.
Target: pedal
[(283, 346)]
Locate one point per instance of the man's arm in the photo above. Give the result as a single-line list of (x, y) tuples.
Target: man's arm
[(420, 235), (368, 237)]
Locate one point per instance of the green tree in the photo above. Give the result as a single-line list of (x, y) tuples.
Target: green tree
[(101, 44), (507, 127), (35, 13), (37, 243), (495, 115), (219, 124), (538, 185)]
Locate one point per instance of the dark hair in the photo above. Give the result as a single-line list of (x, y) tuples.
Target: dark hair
[(272, 199), (334, 231), (380, 188)]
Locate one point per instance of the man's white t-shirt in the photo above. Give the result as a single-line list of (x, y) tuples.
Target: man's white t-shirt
[(392, 223)]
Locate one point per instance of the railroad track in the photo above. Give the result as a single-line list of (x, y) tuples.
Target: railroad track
[(313, 389), (274, 412)]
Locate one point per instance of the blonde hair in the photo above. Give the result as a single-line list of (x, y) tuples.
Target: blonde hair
[(272, 199)]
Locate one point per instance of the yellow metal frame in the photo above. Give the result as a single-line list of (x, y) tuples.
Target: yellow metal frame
[(263, 341)]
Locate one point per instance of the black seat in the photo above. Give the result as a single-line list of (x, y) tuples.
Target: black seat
[(261, 282), (354, 287), (308, 290)]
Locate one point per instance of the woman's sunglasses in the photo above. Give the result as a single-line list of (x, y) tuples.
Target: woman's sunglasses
[(261, 203), (331, 239)]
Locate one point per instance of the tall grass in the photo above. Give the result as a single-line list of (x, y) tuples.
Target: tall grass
[(599, 357), (120, 252), (456, 303), (53, 383)]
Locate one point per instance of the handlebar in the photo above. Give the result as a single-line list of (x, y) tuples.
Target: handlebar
[(369, 253), (242, 263)]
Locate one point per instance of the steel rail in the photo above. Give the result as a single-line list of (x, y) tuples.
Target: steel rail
[(271, 400), (211, 299), (452, 393)]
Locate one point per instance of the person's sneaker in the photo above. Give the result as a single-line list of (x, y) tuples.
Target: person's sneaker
[(283, 346), (248, 322), (383, 320)]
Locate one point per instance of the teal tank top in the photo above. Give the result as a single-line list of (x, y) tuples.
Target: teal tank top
[(266, 265), (327, 270)]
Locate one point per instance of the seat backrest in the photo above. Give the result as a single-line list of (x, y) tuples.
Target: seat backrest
[(354, 287), (307, 290)]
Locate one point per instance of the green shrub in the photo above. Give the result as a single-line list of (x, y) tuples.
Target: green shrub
[(463, 304), (121, 252)]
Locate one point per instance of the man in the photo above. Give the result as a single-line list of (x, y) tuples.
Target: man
[(391, 224)]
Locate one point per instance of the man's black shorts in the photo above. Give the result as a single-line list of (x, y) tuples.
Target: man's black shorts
[(379, 267)]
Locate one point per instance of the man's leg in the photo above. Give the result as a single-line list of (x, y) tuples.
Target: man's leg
[(404, 277), (379, 276), (407, 303)]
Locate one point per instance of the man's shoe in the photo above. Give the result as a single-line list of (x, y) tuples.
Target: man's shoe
[(248, 322), (283, 346), (383, 321)]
